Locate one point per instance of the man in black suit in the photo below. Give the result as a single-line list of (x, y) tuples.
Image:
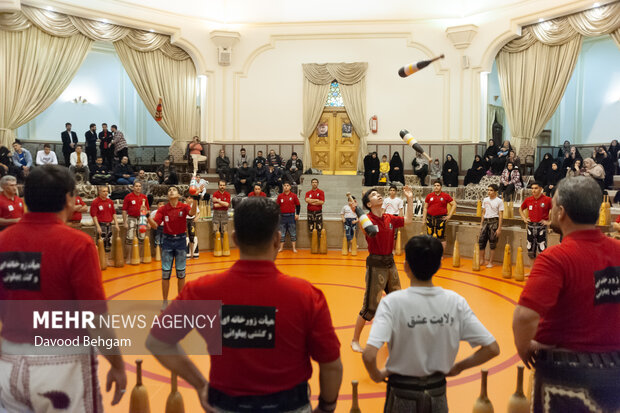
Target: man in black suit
[(69, 140), (105, 145), (91, 143)]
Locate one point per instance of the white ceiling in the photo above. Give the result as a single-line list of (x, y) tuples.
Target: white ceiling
[(292, 11)]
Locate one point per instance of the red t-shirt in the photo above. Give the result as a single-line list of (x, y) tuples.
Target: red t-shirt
[(538, 209), (575, 288), (132, 204), (303, 328), (225, 196), (287, 203), (174, 218), (261, 194), (11, 209), (77, 215), (618, 219), (68, 268), (318, 194), (382, 243), (437, 204), (103, 209)]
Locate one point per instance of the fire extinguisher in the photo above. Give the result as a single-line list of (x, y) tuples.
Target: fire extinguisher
[(373, 124)]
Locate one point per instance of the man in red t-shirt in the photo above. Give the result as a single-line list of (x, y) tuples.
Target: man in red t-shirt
[(134, 203), (173, 245), (11, 206), (535, 213), (436, 213), (258, 372), (51, 262), (104, 216), (571, 303), (75, 221), (258, 191), (289, 210), (381, 272), (219, 223), (315, 198)]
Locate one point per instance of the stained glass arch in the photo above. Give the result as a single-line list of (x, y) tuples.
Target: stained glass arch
[(334, 98)]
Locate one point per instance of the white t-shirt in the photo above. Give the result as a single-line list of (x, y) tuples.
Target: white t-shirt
[(46, 158), (348, 212), (423, 327), (492, 207), (392, 206)]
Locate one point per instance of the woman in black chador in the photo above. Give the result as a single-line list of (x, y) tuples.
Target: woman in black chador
[(476, 172), (371, 169), (396, 169), (540, 174), (450, 172)]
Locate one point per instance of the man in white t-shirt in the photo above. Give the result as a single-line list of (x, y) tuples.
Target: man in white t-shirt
[(349, 219), (423, 326), (393, 205), (490, 224), (46, 156)]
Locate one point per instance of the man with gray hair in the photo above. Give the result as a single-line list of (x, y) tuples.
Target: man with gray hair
[(566, 323), (11, 206)]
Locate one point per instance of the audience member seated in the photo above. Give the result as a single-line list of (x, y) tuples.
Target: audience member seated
[(46, 156), (222, 166), (562, 153), (260, 174), (274, 159), (510, 182), (491, 152), (576, 170), (553, 177), (196, 152), (242, 158), (605, 160), (450, 172), (22, 160), (371, 169), (244, 179), (259, 159), (540, 174), (123, 173), (420, 167), (396, 169), (498, 163), (476, 172), (435, 171), (613, 151), (202, 188), (512, 157), (595, 171), (167, 174), (146, 185), (79, 163), (5, 161), (101, 173), (569, 159), (274, 179), (294, 169), (384, 171)]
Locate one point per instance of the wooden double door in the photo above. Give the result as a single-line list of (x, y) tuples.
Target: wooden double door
[(334, 145)]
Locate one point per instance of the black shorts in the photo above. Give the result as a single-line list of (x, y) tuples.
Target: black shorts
[(436, 226)]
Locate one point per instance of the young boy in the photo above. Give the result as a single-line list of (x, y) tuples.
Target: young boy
[(104, 216), (289, 212), (423, 326), (490, 224), (349, 219), (381, 273), (384, 169)]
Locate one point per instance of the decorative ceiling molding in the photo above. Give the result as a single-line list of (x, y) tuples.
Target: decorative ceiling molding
[(461, 36)]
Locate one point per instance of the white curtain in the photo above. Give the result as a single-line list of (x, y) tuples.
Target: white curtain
[(352, 80), (59, 55), (535, 68), (36, 68), (156, 75)]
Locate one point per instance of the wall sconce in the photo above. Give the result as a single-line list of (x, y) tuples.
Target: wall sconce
[(495, 97), (80, 100)]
